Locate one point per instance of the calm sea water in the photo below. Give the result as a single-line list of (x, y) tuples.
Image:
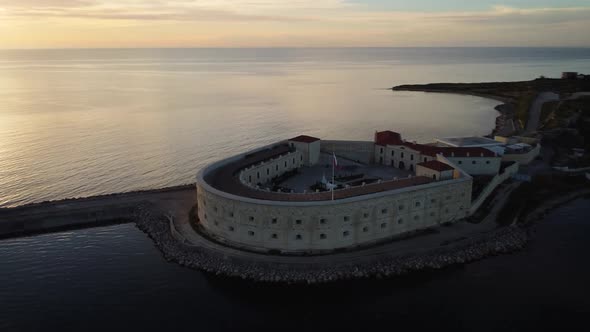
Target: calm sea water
[(113, 278), (84, 122)]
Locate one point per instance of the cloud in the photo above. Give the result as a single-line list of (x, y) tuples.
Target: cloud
[(510, 15), (290, 23), (45, 3)]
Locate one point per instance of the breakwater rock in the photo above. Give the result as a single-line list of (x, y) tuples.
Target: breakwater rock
[(218, 262)]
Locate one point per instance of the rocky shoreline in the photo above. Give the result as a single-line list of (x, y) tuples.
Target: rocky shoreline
[(158, 227)]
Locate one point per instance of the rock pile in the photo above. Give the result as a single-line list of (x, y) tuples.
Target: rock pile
[(157, 226)]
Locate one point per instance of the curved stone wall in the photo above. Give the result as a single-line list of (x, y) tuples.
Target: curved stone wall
[(293, 227)]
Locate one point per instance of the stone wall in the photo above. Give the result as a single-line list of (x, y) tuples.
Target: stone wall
[(328, 225), (360, 151)]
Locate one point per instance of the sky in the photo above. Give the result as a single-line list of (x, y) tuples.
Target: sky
[(293, 23)]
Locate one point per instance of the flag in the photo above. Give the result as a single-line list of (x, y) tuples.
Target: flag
[(335, 161)]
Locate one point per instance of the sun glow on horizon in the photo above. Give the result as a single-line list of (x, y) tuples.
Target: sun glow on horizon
[(281, 23)]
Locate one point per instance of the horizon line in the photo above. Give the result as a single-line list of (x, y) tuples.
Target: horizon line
[(281, 47)]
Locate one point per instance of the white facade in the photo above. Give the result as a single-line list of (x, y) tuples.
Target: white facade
[(263, 172), (310, 151), (406, 158)]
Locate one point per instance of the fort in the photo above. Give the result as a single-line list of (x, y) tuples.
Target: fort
[(277, 198)]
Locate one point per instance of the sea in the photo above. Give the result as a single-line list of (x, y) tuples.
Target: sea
[(82, 122)]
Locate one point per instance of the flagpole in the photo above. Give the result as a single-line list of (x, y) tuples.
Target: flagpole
[(333, 166)]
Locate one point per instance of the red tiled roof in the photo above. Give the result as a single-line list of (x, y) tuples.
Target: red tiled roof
[(304, 139), (436, 165), (388, 137), (393, 138)]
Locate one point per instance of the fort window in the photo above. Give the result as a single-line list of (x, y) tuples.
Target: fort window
[(424, 159), (323, 221), (383, 225), (274, 236), (384, 211), (285, 163), (459, 162), (301, 158), (400, 221), (267, 171), (433, 200), (411, 157), (417, 204), (276, 167), (346, 218), (487, 162), (474, 162), (434, 176), (249, 178), (231, 228), (345, 233), (273, 221), (258, 175), (392, 153), (381, 150), (298, 237), (365, 229), (250, 233), (402, 155), (215, 208), (251, 218), (298, 222), (293, 161), (323, 236), (231, 214)]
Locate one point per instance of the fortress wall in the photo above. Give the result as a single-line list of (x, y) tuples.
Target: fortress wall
[(328, 225), (360, 151), (265, 171)]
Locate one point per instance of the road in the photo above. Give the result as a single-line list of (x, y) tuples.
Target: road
[(535, 110)]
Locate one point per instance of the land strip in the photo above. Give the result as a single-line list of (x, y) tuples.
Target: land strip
[(90, 211)]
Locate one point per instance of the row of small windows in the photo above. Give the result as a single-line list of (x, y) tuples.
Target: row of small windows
[(324, 221), (322, 236), (473, 162)]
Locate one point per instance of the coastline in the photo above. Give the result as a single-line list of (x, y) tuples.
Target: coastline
[(505, 108)]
